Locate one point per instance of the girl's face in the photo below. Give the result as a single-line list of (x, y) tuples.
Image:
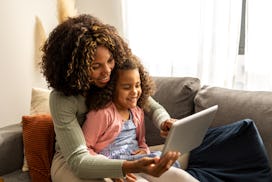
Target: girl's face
[(128, 89), (102, 66)]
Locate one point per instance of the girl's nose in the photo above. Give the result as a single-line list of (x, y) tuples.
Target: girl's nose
[(134, 90)]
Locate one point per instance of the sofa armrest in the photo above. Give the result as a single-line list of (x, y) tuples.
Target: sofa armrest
[(235, 105), (11, 148)]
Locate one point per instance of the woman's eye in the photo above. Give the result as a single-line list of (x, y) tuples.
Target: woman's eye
[(94, 67), (111, 61)]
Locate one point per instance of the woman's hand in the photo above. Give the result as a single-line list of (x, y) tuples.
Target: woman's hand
[(153, 166), (162, 164), (165, 127)]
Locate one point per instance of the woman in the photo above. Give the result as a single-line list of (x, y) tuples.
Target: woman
[(78, 53)]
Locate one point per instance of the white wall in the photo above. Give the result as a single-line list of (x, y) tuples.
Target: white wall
[(109, 11), (18, 71)]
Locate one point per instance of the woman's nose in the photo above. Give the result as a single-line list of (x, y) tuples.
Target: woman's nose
[(107, 69)]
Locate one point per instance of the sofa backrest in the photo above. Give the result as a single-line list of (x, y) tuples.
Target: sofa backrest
[(11, 148), (236, 105), (176, 95)]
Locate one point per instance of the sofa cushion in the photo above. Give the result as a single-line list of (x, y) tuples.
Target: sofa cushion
[(176, 95), (236, 105), (39, 140)]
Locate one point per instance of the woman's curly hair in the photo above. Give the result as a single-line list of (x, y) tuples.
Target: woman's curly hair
[(98, 98), (70, 49)]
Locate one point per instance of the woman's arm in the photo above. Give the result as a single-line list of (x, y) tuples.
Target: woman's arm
[(71, 143), (156, 113)]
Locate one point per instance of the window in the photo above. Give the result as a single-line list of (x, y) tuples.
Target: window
[(200, 38)]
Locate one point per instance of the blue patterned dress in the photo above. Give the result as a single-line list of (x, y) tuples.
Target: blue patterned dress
[(125, 143)]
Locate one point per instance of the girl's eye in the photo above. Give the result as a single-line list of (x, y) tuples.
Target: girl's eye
[(126, 87), (138, 85)]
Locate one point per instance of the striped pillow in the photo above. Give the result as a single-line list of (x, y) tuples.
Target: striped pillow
[(39, 105), (39, 142)]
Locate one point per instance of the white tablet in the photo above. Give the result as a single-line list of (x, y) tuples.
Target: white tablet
[(188, 133)]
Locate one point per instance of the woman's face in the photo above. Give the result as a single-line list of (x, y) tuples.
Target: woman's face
[(102, 66)]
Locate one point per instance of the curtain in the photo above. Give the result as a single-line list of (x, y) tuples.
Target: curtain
[(258, 53), (198, 38)]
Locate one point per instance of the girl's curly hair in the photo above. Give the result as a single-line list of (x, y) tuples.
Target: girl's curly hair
[(98, 98), (70, 49)]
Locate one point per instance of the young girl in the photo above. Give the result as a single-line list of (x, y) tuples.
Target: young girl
[(118, 131)]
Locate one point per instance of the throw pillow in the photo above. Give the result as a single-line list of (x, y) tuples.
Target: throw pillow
[(39, 140), (39, 105), (39, 101)]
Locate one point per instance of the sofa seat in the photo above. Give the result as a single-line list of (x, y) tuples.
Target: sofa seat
[(17, 175)]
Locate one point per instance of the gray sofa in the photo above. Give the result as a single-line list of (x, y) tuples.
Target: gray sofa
[(181, 97)]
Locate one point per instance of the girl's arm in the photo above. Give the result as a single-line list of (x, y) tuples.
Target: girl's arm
[(93, 127), (139, 119)]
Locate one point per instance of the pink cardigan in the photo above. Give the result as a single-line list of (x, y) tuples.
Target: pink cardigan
[(107, 125)]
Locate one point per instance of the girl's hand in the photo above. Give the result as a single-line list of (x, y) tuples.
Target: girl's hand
[(139, 151), (165, 127), (117, 180), (129, 178)]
